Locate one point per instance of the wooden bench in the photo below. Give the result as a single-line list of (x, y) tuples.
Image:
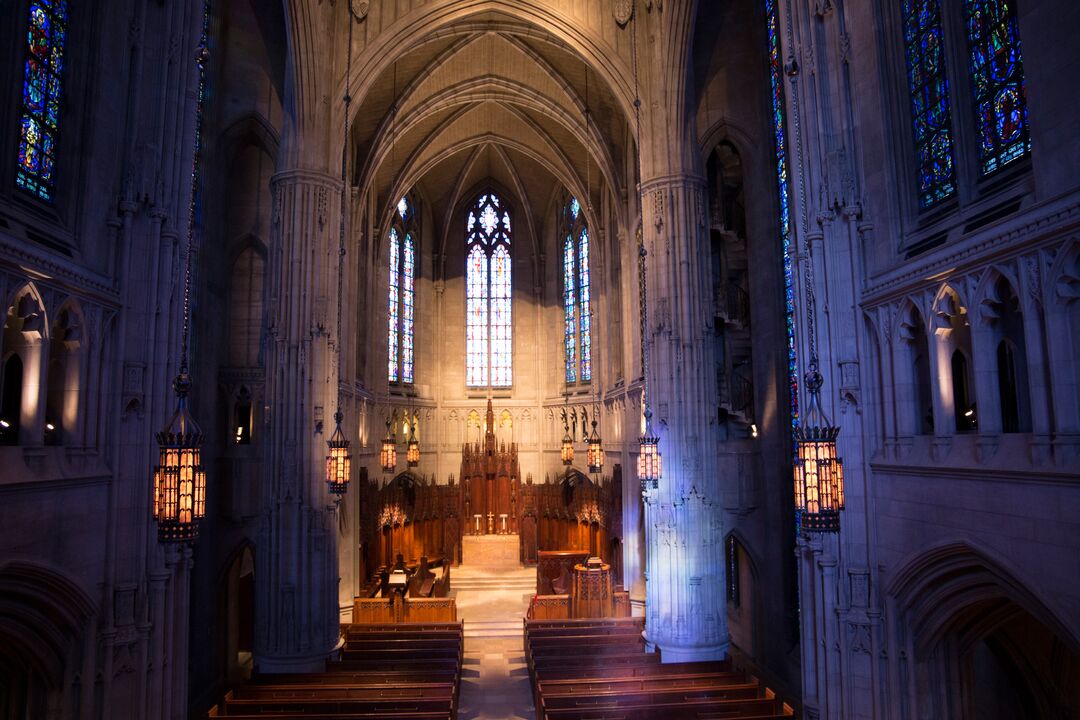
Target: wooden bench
[(369, 678), (598, 670), (339, 692), (335, 706), (397, 672)]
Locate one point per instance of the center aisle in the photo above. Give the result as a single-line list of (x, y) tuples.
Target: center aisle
[(494, 677)]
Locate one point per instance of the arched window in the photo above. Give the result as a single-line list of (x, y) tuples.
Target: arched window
[(62, 394), (242, 417), (402, 293), (776, 96), (11, 386), (997, 78), (577, 295), (488, 303), (928, 85), (732, 551), (1007, 328), (963, 406), (42, 94), (918, 344)]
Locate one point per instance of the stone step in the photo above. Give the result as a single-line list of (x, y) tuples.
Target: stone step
[(493, 628)]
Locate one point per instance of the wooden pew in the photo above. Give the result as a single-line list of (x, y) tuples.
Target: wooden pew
[(393, 671), (598, 670)]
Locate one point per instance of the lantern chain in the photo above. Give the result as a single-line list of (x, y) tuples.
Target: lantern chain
[(347, 100), (642, 252), (202, 55)]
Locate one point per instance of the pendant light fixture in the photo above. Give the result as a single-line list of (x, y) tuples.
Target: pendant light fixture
[(412, 453), (818, 470), (650, 464), (595, 453), (179, 480), (388, 453), (338, 461)]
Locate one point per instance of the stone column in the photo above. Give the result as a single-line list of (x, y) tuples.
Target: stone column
[(685, 608), (297, 602)]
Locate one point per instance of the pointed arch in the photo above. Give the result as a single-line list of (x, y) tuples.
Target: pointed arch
[(403, 252), (489, 293)]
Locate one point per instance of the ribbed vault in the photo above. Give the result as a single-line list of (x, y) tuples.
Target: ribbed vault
[(486, 96)]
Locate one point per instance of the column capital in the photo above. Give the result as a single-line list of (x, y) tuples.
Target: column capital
[(301, 175)]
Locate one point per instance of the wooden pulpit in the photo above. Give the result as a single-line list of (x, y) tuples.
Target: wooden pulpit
[(592, 593)]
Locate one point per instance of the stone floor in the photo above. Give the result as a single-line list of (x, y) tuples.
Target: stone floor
[(494, 678)]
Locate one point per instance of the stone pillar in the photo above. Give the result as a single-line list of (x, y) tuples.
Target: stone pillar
[(686, 615), (297, 602)]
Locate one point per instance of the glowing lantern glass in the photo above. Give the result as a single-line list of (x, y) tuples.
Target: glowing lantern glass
[(179, 477), (819, 471), (567, 451), (338, 461), (412, 455), (595, 453), (388, 454), (649, 462)]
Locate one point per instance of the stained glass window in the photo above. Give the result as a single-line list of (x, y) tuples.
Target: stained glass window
[(997, 75), (928, 86), (585, 301), (776, 76), (42, 94), (577, 319), (402, 295), (569, 310), (489, 327)]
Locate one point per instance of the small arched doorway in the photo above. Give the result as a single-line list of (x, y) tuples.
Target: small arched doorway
[(239, 615)]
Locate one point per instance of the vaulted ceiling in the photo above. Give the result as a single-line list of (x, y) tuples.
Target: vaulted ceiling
[(490, 97)]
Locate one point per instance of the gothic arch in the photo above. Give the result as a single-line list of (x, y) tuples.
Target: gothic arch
[(436, 21), (931, 587), (968, 628), (46, 622)]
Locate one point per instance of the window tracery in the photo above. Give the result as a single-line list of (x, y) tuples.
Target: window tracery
[(488, 294), (577, 295), (402, 294)]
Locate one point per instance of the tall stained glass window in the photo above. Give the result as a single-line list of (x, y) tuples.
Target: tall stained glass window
[(577, 298), (42, 94), (776, 77), (402, 294), (997, 76), (928, 86), (489, 328)]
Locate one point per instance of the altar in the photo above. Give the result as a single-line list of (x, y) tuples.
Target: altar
[(491, 551)]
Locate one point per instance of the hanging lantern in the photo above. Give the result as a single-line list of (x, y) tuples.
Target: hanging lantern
[(567, 452), (819, 471), (338, 462), (388, 454), (595, 453), (412, 454), (649, 462), (179, 478)]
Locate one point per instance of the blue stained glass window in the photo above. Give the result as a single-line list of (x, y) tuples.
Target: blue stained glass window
[(586, 309), (928, 86), (569, 310), (577, 300), (997, 73), (489, 327), (42, 95), (394, 325), (776, 78), (401, 302)]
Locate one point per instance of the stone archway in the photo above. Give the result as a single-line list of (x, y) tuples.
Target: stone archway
[(975, 642)]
